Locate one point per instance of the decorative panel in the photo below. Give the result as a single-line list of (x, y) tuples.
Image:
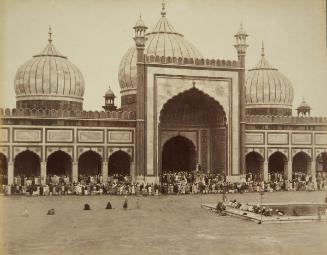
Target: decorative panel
[(67, 149), (36, 149), (254, 138), (321, 139), (90, 136), (302, 138), (307, 151), (281, 150), (260, 151), (4, 134), (5, 151), (82, 149), (128, 150), (204, 149), (120, 136), (59, 135), (218, 150), (277, 138), (28, 135)]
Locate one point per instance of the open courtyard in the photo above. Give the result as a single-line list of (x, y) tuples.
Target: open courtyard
[(162, 225)]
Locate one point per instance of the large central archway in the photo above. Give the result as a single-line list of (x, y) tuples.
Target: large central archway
[(194, 111), (178, 155)]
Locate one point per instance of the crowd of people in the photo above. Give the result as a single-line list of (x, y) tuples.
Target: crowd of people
[(171, 183)]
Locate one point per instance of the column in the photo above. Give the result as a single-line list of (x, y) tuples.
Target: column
[(43, 172), (104, 171), (312, 170), (288, 169), (265, 171), (75, 171), (133, 171), (10, 173)]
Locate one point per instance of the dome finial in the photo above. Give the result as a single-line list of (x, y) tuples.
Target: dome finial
[(50, 34), (163, 9), (262, 49)]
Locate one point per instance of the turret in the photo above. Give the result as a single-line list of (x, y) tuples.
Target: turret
[(109, 103)]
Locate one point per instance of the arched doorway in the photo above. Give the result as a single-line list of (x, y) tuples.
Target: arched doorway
[(321, 162), (254, 165), (178, 155), (196, 111), (119, 163), (27, 164), (301, 163), (276, 164), (59, 163), (89, 163), (3, 170)]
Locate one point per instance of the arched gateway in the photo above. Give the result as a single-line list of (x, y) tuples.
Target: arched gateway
[(178, 155), (193, 131)]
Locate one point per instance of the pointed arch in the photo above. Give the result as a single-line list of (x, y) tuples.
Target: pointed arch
[(89, 163), (59, 163), (119, 163), (178, 154), (27, 163)]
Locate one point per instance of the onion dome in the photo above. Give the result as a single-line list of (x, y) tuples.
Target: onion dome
[(49, 80), (267, 91), (162, 40)]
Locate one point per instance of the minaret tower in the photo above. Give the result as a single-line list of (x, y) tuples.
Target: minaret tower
[(241, 48), (140, 140)]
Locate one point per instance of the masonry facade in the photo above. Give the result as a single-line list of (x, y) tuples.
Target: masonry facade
[(179, 112)]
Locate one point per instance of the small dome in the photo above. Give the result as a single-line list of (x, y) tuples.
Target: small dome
[(304, 105), (267, 88), (49, 76), (162, 40), (109, 93)]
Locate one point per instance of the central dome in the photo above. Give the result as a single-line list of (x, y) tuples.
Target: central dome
[(162, 40)]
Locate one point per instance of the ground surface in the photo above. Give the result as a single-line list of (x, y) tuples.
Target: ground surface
[(163, 225)]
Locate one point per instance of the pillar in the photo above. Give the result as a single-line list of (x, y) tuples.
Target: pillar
[(104, 171), (288, 169), (265, 171), (43, 172), (75, 171), (133, 172), (10, 173), (312, 170)]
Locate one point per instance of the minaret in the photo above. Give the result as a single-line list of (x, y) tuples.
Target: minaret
[(241, 47), (109, 103), (140, 139)]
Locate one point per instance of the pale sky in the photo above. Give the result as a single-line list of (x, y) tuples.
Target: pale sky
[(95, 34)]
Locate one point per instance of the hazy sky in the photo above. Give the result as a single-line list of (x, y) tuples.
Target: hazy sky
[(95, 34)]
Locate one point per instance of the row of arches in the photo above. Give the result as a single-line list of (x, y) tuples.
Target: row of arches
[(277, 161), (28, 164)]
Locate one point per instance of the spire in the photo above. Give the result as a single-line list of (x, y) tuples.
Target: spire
[(163, 9), (262, 49), (50, 34)]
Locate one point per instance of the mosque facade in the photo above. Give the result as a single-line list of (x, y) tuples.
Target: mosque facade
[(179, 112)]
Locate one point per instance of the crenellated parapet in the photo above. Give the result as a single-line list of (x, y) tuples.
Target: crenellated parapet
[(262, 119), (47, 113), (151, 59)]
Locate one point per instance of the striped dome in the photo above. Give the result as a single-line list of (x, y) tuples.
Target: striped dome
[(162, 40), (266, 87), (49, 76)]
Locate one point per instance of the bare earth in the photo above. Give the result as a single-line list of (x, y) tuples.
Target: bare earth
[(163, 225)]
